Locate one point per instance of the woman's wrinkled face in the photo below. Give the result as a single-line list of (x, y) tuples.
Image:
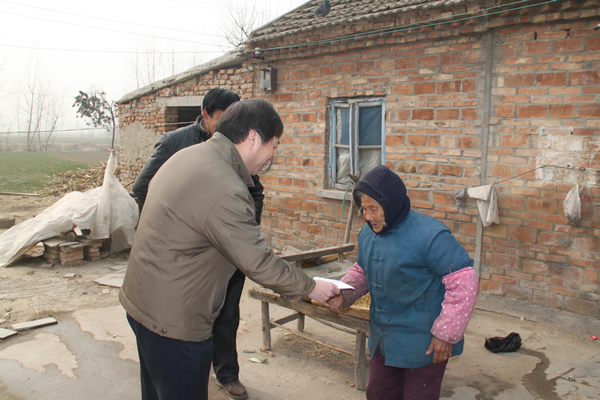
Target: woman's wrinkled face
[(373, 212)]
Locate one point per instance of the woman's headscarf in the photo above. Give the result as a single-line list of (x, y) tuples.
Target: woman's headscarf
[(386, 188)]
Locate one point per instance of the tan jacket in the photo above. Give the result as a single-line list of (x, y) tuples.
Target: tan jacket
[(197, 226)]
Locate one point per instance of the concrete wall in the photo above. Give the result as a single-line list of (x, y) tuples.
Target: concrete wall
[(478, 101)]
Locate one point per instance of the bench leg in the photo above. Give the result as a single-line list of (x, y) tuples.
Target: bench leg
[(266, 325), (360, 361), (300, 323)]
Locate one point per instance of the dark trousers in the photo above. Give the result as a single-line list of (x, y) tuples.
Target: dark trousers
[(224, 332), (391, 383), (172, 369)]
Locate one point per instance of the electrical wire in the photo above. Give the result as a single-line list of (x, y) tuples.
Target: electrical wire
[(110, 30), (110, 51), (109, 20)]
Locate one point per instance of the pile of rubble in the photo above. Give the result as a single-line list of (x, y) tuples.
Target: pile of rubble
[(79, 180)]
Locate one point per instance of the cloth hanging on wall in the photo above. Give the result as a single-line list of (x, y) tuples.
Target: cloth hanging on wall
[(572, 205), (487, 203)]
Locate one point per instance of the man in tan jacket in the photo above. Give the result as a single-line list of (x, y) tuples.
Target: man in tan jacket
[(197, 227)]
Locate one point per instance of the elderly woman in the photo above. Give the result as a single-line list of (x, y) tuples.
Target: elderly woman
[(423, 289)]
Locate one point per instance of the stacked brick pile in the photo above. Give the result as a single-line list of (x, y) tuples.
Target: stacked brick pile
[(76, 252)]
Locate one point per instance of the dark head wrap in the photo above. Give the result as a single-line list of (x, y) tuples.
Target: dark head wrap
[(386, 188)]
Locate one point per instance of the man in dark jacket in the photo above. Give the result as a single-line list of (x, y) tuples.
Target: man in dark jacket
[(216, 101)]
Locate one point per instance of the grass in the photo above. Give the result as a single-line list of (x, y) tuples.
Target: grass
[(26, 172)]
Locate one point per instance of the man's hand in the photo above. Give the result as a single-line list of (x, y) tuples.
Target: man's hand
[(442, 351), (323, 291), (335, 303)]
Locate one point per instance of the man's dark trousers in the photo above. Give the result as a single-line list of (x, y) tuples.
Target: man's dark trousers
[(224, 333), (171, 368)]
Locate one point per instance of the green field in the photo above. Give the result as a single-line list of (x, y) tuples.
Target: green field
[(26, 172)]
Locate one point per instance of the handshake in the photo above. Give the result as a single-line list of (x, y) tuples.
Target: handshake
[(327, 293)]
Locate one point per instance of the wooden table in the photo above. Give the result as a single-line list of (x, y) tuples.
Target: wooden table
[(353, 321)]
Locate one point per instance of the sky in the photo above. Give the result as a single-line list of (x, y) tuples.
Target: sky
[(104, 45)]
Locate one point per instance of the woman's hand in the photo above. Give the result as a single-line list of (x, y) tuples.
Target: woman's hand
[(442, 351), (335, 303)]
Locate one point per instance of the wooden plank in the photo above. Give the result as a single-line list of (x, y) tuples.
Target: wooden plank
[(307, 255), (19, 194), (310, 309), (6, 223), (4, 333), (33, 324)]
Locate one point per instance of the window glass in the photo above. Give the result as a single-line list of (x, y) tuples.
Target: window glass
[(343, 126), (369, 126)]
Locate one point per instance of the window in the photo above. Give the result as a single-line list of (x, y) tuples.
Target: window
[(356, 138)]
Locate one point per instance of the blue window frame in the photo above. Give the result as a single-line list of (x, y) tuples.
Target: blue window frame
[(357, 138)]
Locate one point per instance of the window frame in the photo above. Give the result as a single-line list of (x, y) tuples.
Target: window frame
[(354, 106)]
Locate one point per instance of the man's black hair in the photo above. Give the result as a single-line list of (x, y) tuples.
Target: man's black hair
[(257, 114), (218, 99)]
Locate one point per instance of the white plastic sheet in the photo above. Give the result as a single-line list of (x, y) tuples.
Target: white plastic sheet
[(106, 211)]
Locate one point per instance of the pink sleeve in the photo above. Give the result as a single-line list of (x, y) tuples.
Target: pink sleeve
[(355, 278), (457, 307)]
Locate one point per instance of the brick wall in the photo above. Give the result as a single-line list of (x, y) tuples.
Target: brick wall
[(544, 97), (542, 65)]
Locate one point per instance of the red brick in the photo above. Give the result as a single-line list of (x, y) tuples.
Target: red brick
[(446, 114), (535, 47), (537, 111), (424, 88), (428, 61), (519, 80), (417, 140), (561, 111), (586, 243), (403, 88), (468, 142), (423, 114), (453, 170), (501, 171), (536, 267), (541, 205), (589, 111), (571, 45), (448, 87), (551, 79), (593, 43), (405, 62), (553, 239), (585, 78), (515, 141), (450, 59), (468, 114), (428, 169), (444, 198), (491, 287), (505, 111), (522, 234)]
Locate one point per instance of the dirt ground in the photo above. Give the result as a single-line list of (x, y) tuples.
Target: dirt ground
[(557, 360)]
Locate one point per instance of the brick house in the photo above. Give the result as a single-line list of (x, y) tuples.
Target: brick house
[(450, 94)]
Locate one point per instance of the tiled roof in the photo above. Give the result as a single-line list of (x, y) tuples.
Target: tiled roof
[(342, 12)]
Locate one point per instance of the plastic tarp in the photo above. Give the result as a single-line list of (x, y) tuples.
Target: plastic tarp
[(107, 211)]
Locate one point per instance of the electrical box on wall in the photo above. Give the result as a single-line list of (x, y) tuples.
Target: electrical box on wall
[(268, 79)]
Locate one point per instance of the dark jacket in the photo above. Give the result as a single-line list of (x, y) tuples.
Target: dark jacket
[(169, 144), (191, 240)]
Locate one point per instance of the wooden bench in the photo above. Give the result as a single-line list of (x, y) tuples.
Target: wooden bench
[(353, 321), (356, 325)]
